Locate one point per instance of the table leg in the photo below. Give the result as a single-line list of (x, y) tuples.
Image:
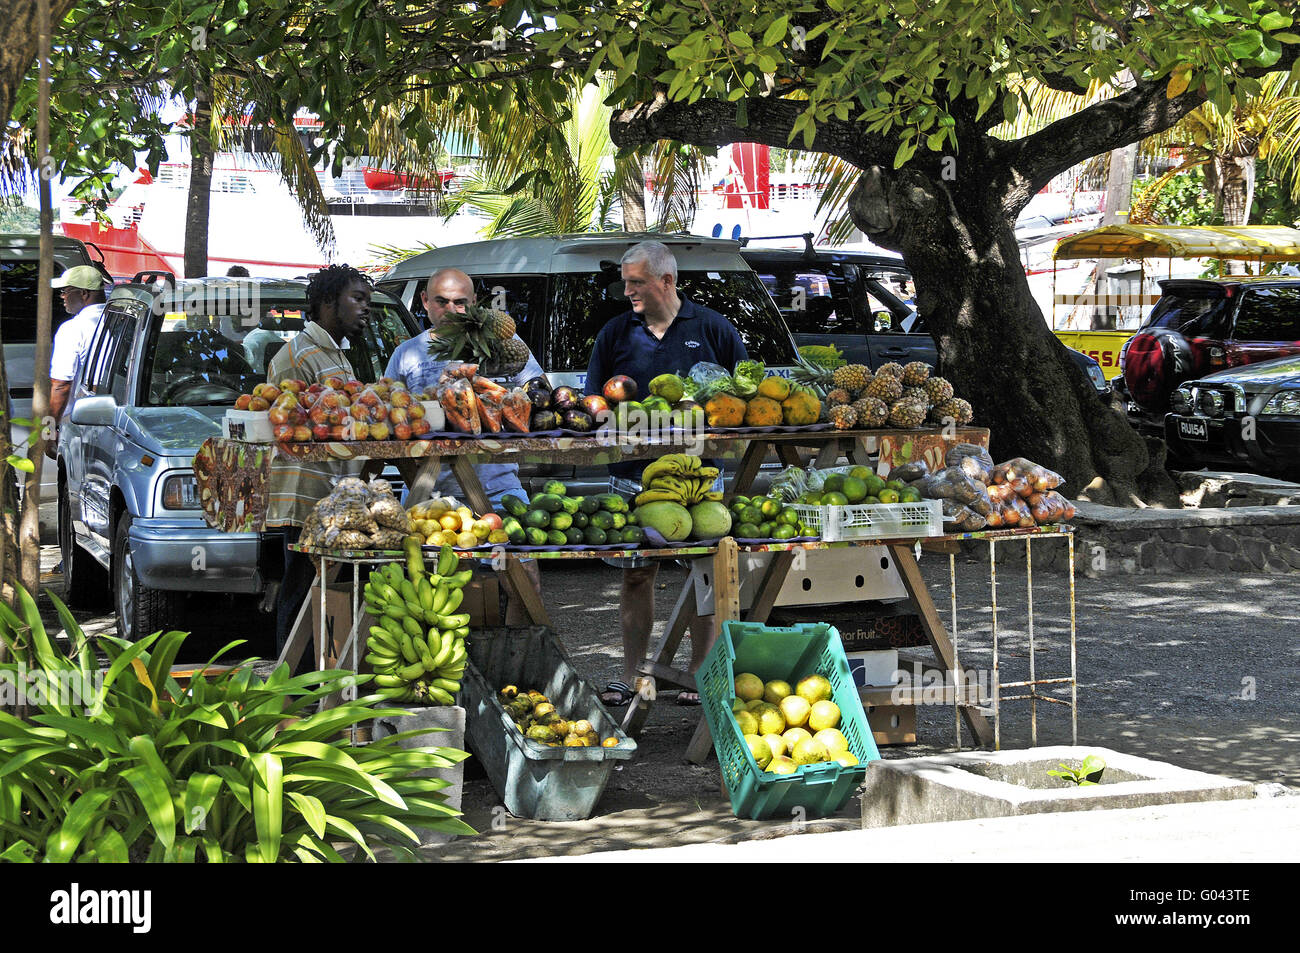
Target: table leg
[(789, 455), (517, 581), (914, 583), (829, 455), (770, 586), (638, 710), (422, 479), (726, 606), (755, 454), (859, 452), (301, 633)]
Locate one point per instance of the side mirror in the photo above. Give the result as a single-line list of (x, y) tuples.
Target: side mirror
[(94, 411)]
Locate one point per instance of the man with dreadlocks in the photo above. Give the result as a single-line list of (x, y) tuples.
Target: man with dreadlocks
[(338, 305)]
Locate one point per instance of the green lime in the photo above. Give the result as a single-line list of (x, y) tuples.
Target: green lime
[(898, 485), (909, 495), (765, 529), (752, 514), (888, 495), (855, 490), (833, 483), (834, 499), (741, 501), (860, 473), (784, 531), (747, 531), (770, 507), (814, 499), (872, 500), (787, 517), (874, 484)]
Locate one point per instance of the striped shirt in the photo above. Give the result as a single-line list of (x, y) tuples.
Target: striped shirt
[(312, 355)]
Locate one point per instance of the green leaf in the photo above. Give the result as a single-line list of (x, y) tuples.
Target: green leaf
[(200, 793), (776, 31), (62, 845), (1274, 21), (741, 39), (313, 811), (21, 463), (268, 804), (1246, 44), (157, 802)]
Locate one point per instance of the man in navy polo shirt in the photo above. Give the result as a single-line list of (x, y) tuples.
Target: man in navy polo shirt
[(663, 334)]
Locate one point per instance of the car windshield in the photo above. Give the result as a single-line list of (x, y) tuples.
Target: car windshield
[(210, 351), (584, 303)]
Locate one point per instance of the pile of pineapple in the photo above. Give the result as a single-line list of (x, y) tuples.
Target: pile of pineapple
[(895, 396)]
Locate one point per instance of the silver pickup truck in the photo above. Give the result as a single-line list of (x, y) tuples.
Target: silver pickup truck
[(167, 361)]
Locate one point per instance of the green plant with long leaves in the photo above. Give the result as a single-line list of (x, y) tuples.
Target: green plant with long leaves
[(128, 764)]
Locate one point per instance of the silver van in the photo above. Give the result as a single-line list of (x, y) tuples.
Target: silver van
[(20, 260), (562, 290)]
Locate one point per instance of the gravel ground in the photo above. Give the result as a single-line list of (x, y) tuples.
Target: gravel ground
[(1194, 670)]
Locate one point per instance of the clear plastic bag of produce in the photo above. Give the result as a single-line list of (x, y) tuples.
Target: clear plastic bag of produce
[(1010, 514), (710, 379), (790, 483), (910, 472), (460, 406), (952, 483), (747, 376), (963, 517), (456, 370), (973, 460), (389, 514), (1026, 476), (387, 539), (1050, 507)]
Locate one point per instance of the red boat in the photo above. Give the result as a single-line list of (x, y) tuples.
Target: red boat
[(386, 180)]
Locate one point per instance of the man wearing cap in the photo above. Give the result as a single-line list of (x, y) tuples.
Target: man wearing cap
[(82, 288)]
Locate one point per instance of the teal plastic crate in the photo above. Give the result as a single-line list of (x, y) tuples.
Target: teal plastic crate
[(789, 654), (534, 780)]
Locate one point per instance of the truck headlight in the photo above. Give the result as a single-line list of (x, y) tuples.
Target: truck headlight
[(180, 492), (1285, 404), (1180, 401)]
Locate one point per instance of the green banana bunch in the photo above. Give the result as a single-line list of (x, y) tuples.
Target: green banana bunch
[(678, 478), (674, 464)]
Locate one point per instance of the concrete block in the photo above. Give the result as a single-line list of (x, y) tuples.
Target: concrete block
[(451, 720), (985, 784)]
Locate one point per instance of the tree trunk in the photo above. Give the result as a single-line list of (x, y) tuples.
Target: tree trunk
[(1231, 180), (43, 427), (200, 193), (631, 193), (993, 343), (1119, 198)]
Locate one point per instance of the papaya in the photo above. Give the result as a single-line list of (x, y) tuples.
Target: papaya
[(763, 412), (801, 408), (774, 387), (724, 410)]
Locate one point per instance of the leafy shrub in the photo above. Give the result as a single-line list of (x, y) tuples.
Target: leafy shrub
[(126, 764)]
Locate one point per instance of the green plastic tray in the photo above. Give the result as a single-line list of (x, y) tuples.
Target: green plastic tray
[(815, 790)]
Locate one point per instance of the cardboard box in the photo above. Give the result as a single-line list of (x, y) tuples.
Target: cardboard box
[(483, 600), (338, 622), (875, 667), (892, 724)]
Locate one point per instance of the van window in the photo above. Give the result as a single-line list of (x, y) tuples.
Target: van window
[(1192, 313), (19, 282), (582, 304), (1269, 314)]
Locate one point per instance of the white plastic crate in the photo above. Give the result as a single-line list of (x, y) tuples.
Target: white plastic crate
[(874, 520), (824, 576)]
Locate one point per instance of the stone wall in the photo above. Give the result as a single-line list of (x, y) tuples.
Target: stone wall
[(1109, 540)]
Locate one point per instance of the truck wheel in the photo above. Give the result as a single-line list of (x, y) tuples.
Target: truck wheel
[(85, 583), (140, 611)]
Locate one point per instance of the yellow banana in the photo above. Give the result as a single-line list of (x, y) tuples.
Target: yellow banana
[(446, 684), (440, 696), (453, 601), (453, 621), (414, 670), (706, 473), (444, 653), (440, 596), (656, 496)]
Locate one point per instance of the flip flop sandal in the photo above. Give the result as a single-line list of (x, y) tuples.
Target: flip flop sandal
[(688, 698), (617, 694)]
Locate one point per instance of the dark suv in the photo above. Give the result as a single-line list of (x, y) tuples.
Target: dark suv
[(1201, 326), (1245, 415), (859, 302)]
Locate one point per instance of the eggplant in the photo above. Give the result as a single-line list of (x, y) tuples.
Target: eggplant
[(539, 393), (578, 420), (565, 398), (544, 420), (594, 404)]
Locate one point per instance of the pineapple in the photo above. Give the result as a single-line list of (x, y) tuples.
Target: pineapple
[(885, 387), (871, 411), (482, 335), (893, 368), (843, 417), (917, 395), (838, 396), (953, 409), (915, 373), (851, 377), (907, 414), (938, 390)]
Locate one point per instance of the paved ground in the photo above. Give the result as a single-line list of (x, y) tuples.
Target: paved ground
[(1198, 671)]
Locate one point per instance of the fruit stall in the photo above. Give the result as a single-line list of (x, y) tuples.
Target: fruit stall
[(904, 482)]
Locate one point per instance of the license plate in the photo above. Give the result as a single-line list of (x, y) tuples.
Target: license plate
[(1193, 429)]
